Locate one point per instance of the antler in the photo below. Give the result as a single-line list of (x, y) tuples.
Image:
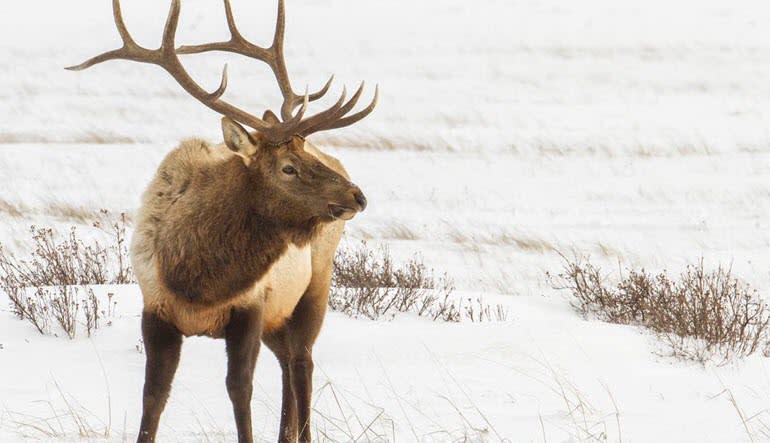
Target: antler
[(166, 57), (273, 56)]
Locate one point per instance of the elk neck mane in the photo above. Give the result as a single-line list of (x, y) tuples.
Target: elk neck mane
[(220, 232)]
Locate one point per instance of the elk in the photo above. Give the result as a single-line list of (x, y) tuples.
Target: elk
[(236, 240)]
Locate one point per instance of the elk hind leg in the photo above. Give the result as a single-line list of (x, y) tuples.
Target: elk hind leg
[(162, 344)]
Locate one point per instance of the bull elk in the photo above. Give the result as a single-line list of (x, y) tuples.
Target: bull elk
[(236, 240)]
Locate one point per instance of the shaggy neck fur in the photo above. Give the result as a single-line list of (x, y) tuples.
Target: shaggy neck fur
[(226, 235)]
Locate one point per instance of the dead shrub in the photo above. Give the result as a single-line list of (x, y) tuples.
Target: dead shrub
[(116, 230), (366, 283), (60, 305), (51, 286), (703, 315)]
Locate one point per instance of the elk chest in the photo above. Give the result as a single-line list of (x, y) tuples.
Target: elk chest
[(276, 293), (284, 285)]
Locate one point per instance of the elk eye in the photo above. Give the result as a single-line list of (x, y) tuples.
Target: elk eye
[(289, 170)]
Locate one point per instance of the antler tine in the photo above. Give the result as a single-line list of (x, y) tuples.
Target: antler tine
[(294, 121), (322, 116), (289, 127), (321, 92), (237, 44), (234, 33), (117, 14), (349, 120), (279, 64), (130, 50), (171, 62), (109, 55), (169, 31), (308, 126), (222, 86), (290, 103)]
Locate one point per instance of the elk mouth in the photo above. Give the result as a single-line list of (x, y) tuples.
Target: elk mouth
[(341, 212)]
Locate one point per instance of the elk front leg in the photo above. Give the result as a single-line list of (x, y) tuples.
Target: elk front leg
[(302, 376), (297, 377), (305, 326), (162, 345), (292, 344), (242, 340), (278, 342)]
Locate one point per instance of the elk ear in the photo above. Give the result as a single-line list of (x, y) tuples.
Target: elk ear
[(238, 139), (298, 143), (270, 117)]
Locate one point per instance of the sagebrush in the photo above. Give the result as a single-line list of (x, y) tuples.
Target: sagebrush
[(702, 315), (52, 286), (367, 283)]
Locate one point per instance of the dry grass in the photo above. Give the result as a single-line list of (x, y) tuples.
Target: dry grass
[(68, 212), (339, 417), (380, 143), (52, 285), (60, 210), (755, 424), (367, 283), (703, 315), (499, 238), (391, 231), (398, 231), (12, 209), (581, 420), (68, 419), (89, 137)]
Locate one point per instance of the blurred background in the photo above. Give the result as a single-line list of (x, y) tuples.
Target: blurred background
[(633, 131)]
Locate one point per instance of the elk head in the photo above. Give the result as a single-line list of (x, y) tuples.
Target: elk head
[(301, 188), (275, 151)]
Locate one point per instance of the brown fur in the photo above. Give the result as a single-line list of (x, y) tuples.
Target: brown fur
[(213, 223), (230, 245)]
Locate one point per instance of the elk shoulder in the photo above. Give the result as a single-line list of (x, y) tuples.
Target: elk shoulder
[(196, 248)]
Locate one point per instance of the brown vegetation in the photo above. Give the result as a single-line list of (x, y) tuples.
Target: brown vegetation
[(703, 315), (367, 283), (52, 285)]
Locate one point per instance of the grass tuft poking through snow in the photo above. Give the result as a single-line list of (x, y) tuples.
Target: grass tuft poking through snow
[(703, 315)]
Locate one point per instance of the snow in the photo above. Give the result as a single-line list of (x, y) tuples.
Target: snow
[(507, 132), (408, 377)]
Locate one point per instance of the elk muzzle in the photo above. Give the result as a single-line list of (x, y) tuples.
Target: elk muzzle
[(356, 202)]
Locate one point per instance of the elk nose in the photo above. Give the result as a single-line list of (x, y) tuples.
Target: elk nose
[(360, 199)]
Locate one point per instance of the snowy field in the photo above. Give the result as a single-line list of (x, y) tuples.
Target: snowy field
[(507, 131)]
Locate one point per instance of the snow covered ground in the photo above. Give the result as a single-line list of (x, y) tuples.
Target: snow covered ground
[(637, 132), (545, 375)]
